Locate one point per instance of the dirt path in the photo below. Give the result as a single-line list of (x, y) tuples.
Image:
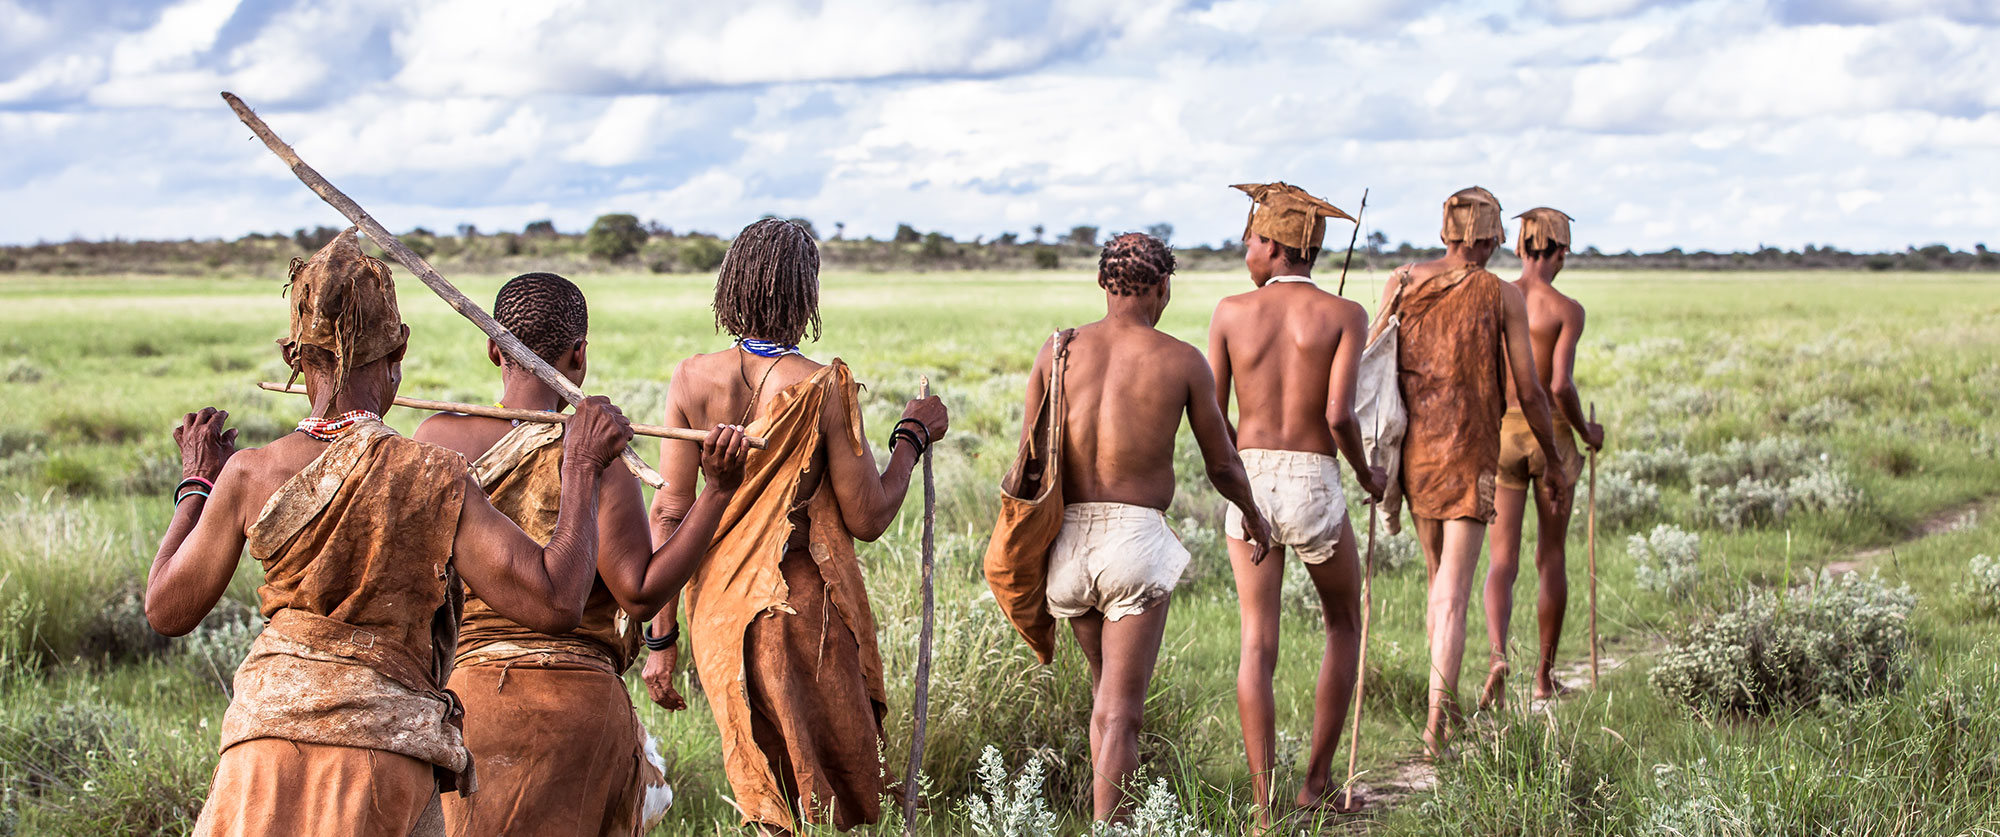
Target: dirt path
[(1963, 516)]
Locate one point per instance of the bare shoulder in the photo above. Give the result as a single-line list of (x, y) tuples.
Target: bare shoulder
[(1343, 311)]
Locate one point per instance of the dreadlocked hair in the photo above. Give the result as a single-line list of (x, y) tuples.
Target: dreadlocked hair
[(1134, 263), (546, 311), (768, 288)]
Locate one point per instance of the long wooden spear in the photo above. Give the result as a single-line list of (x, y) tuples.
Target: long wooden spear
[(1590, 530), (515, 349), (1367, 610), (920, 703), (1342, 290), (511, 414)]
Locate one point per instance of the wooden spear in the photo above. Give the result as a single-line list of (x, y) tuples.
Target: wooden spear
[(1342, 290), (1590, 544), (920, 704), (512, 414), (459, 302)]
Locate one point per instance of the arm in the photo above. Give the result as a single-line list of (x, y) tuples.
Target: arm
[(1038, 386), (1528, 383), (1225, 468), (869, 501), (645, 579), (1218, 367), (1340, 400), (1562, 381), (205, 539), (544, 588)]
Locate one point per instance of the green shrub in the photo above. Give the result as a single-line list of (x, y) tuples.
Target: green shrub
[(1822, 415), (1046, 258), (21, 370), (1667, 561), (1006, 809), (614, 237), (1623, 501), (1762, 501), (1664, 465), (1844, 637), (1986, 582), (71, 475), (703, 254)]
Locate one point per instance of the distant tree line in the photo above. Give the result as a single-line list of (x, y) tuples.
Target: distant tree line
[(621, 242)]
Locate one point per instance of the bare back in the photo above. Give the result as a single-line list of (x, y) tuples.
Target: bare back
[(1126, 388), (730, 387), (1554, 322), (1278, 348)]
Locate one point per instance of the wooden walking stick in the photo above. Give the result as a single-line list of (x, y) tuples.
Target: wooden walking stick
[(459, 302), (920, 703), (1367, 611), (511, 414), (1590, 530), (1342, 291)]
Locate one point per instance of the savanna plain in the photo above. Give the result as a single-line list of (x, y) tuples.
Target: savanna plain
[(1800, 633)]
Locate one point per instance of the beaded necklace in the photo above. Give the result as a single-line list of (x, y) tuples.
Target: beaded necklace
[(766, 348), (330, 429)]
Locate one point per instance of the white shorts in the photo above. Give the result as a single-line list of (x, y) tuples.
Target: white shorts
[(1299, 493), (1113, 558)]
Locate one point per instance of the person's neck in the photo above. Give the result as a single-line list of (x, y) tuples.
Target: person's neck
[(1131, 311), (522, 391), (1461, 256), (1536, 271), (351, 397)]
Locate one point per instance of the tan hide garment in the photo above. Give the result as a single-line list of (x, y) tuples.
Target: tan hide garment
[(746, 621), (1452, 366), (363, 608), (1031, 515), (558, 746), (522, 475)]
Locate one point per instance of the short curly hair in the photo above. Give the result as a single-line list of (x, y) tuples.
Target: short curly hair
[(768, 288), (546, 311), (1134, 263)]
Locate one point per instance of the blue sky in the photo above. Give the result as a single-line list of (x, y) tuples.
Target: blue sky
[(1868, 124)]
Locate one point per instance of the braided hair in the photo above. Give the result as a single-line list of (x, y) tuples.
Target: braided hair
[(546, 311), (1134, 263), (768, 288)]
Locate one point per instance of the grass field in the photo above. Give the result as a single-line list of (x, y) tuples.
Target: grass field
[(1790, 421)]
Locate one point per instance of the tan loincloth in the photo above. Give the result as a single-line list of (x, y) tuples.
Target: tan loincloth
[(270, 786), (1451, 366), (1114, 558), (787, 658), (560, 750), (1521, 457), (1299, 494)]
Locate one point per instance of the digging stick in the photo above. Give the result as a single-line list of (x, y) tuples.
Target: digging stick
[(511, 414), (459, 302), (1342, 291), (1590, 544), (920, 703), (1367, 611)]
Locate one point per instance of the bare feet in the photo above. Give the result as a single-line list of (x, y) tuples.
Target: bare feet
[(1547, 687), (1313, 805), (1495, 694)]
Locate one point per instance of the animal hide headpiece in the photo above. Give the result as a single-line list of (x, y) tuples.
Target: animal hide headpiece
[(1285, 214), (1472, 215), (1541, 228), (343, 301)]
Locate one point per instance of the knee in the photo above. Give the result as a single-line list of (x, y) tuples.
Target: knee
[(1115, 721), (1260, 648)]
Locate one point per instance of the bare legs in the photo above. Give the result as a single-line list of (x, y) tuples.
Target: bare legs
[(1121, 656), (1551, 568), (1338, 583), (1451, 554)]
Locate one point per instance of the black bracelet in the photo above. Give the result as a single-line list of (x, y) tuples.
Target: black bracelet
[(902, 433), (203, 483), (920, 426), (661, 643)]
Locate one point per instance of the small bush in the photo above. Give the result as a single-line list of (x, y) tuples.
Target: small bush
[(21, 370), (1770, 459), (1986, 582), (71, 475), (1845, 637), (1754, 502), (1623, 500), (1008, 811), (1664, 465), (219, 646), (1822, 415), (1158, 815), (94, 426), (1046, 258), (1667, 561), (703, 254)]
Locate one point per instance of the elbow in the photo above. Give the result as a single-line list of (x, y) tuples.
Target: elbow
[(1561, 391), (1341, 422), (555, 620), (165, 622)]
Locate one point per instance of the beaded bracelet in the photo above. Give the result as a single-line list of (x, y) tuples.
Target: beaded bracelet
[(660, 643)]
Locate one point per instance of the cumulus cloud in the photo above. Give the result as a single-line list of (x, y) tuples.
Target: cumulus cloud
[(1657, 123)]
